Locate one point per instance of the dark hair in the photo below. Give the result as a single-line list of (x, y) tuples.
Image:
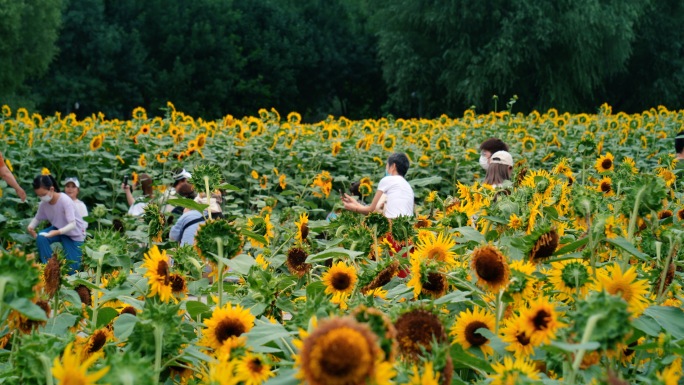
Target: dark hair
[(146, 184), (679, 142), (493, 145), (354, 189), (45, 181), (401, 160), (186, 191)]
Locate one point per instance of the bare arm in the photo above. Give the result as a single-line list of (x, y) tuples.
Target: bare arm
[(7, 175), (352, 205), (129, 195)]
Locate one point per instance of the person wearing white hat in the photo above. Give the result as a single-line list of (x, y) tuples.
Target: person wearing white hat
[(72, 187), (500, 168), (180, 178)]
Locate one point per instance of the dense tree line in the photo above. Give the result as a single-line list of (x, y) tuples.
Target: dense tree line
[(345, 57)]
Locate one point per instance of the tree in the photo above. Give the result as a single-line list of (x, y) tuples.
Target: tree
[(28, 32), (447, 56)]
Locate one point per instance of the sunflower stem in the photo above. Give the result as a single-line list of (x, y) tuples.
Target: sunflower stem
[(206, 186), (588, 330), (666, 268), (219, 243), (499, 311), (49, 380), (635, 214), (98, 275), (3, 283), (158, 339)]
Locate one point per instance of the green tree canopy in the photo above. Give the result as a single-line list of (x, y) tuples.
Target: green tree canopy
[(447, 56), (28, 31)]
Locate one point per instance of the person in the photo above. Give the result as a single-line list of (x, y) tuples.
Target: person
[(66, 226), (500, 168), (354, 190), (214, 204), (72, 187), (400, 197), (679, 153), (8, 177), (180, 178), (489, 147), (137, 207)]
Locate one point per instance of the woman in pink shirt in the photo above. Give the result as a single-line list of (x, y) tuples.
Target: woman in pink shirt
[(66, 226)]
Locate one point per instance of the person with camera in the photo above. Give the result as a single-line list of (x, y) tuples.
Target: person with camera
[(137, 206)]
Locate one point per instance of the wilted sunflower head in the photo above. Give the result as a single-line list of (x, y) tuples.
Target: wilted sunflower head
[(296, 261), (340, 351), (96, 341), (490, 267), (435, 284), (129, 310), (52, 275), (382, 277), (662, 214), (84, 294), (417, 329), (178, 285), (544, 246)]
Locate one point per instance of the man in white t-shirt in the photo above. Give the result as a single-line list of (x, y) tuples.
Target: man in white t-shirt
[(394, 186)]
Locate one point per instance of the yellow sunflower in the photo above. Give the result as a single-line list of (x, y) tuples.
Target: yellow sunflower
[(605, 186), (70, 370), (514, 372), (254, 174), (45, 171), (96, 342), (515, 222), (571, 278), (626, 285), (253, 370), (672, 374), (142, 162), (340, 351), (540, 321), (437, 249), (282, 181), (605, 163), (490, 267), (340, 281), (158, 277), (336, 147), (518, 340), (225, 329), (426, 280), (466, 326), (428, 376), (302, 227), (97, 142)]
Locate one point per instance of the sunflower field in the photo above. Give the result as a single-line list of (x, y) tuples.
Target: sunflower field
[(571, 273)]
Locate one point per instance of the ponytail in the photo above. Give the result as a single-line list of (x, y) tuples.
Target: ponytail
[(45, 181)]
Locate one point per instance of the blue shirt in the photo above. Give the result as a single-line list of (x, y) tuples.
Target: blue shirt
[(190, 231)]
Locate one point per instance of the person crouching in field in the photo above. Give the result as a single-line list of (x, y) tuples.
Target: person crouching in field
[(66, 226), (400, 197)]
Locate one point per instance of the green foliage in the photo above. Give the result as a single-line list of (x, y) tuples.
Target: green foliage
[(29, 31), (441, 57)]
